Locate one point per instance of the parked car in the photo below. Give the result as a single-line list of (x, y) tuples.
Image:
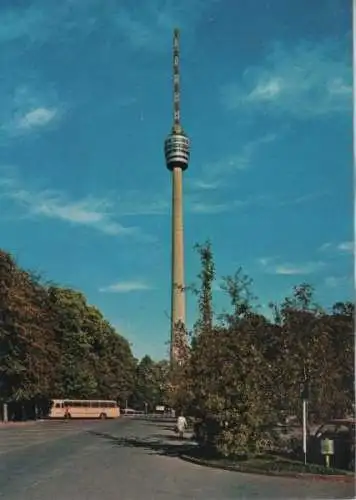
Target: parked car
[(342, 433)]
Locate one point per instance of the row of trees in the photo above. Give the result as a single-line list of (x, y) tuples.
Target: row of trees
[(54, 344), (243, 371)]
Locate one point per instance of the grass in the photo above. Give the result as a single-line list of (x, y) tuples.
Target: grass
[(266, 463)]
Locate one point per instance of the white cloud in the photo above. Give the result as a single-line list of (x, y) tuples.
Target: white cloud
[(89, 211), (199, 201), (198, 204), (212, 173), (346, 246), (204, 185), (28, 108), (267, 90), (136, 203), (305, 198), (102, 214), (325, 246), (126, 287), (304, 80), (265, 261), (38, 117), (342, 247), (271, 266), (306, 268), (338, 87)]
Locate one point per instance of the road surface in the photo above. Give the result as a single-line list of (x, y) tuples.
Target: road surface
[(130, 459)]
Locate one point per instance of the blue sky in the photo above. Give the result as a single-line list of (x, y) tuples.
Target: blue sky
[(85, 105)]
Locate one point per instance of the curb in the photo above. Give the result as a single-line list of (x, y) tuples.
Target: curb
[(250, 470)]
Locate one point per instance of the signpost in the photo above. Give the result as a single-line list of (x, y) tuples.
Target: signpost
[(5, 413), (305, 430), (305, 397)]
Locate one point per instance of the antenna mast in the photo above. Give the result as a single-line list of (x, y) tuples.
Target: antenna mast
[(176, 84)]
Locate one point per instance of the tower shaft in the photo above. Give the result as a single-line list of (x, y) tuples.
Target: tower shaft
[(178, 286)]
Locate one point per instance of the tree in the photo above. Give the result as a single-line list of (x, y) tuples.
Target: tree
[(53, 344), (294, 343), (224, 383), (96, 362), (205, 292), (27, 349), (245, 371), (303, 349), (150, 384), (76, 376)]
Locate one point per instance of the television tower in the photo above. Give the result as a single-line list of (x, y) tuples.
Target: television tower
[(176, 150)]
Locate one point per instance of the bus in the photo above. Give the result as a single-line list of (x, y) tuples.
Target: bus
[(84, 408)]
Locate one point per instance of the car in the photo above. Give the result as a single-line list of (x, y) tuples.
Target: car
[(342, 433)]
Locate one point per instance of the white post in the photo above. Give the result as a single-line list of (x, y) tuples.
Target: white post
[(305, 430), (5, 413)]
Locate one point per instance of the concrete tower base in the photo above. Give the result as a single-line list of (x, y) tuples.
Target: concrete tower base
[(178, 286)]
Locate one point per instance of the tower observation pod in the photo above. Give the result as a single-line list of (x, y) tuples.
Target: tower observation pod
[(177, 153)]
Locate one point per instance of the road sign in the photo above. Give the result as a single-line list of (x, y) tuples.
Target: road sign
[(327, 446), (327, 449)]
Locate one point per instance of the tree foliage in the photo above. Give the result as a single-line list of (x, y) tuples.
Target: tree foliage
[(246, 370), (150, 384), (53, 344)]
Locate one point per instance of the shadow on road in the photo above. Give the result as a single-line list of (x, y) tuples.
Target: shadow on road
[(173, 437), (161, 425), (155, 444), (154, 420)]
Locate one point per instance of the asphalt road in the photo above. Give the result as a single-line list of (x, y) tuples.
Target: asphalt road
[(128, 459)]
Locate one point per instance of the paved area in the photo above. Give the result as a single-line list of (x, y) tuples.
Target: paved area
[(128, 459), (18, 436)]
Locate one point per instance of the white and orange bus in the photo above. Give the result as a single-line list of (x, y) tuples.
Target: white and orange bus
[(84, 408)]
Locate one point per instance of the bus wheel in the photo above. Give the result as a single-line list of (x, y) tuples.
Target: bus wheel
[(102, 416)]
